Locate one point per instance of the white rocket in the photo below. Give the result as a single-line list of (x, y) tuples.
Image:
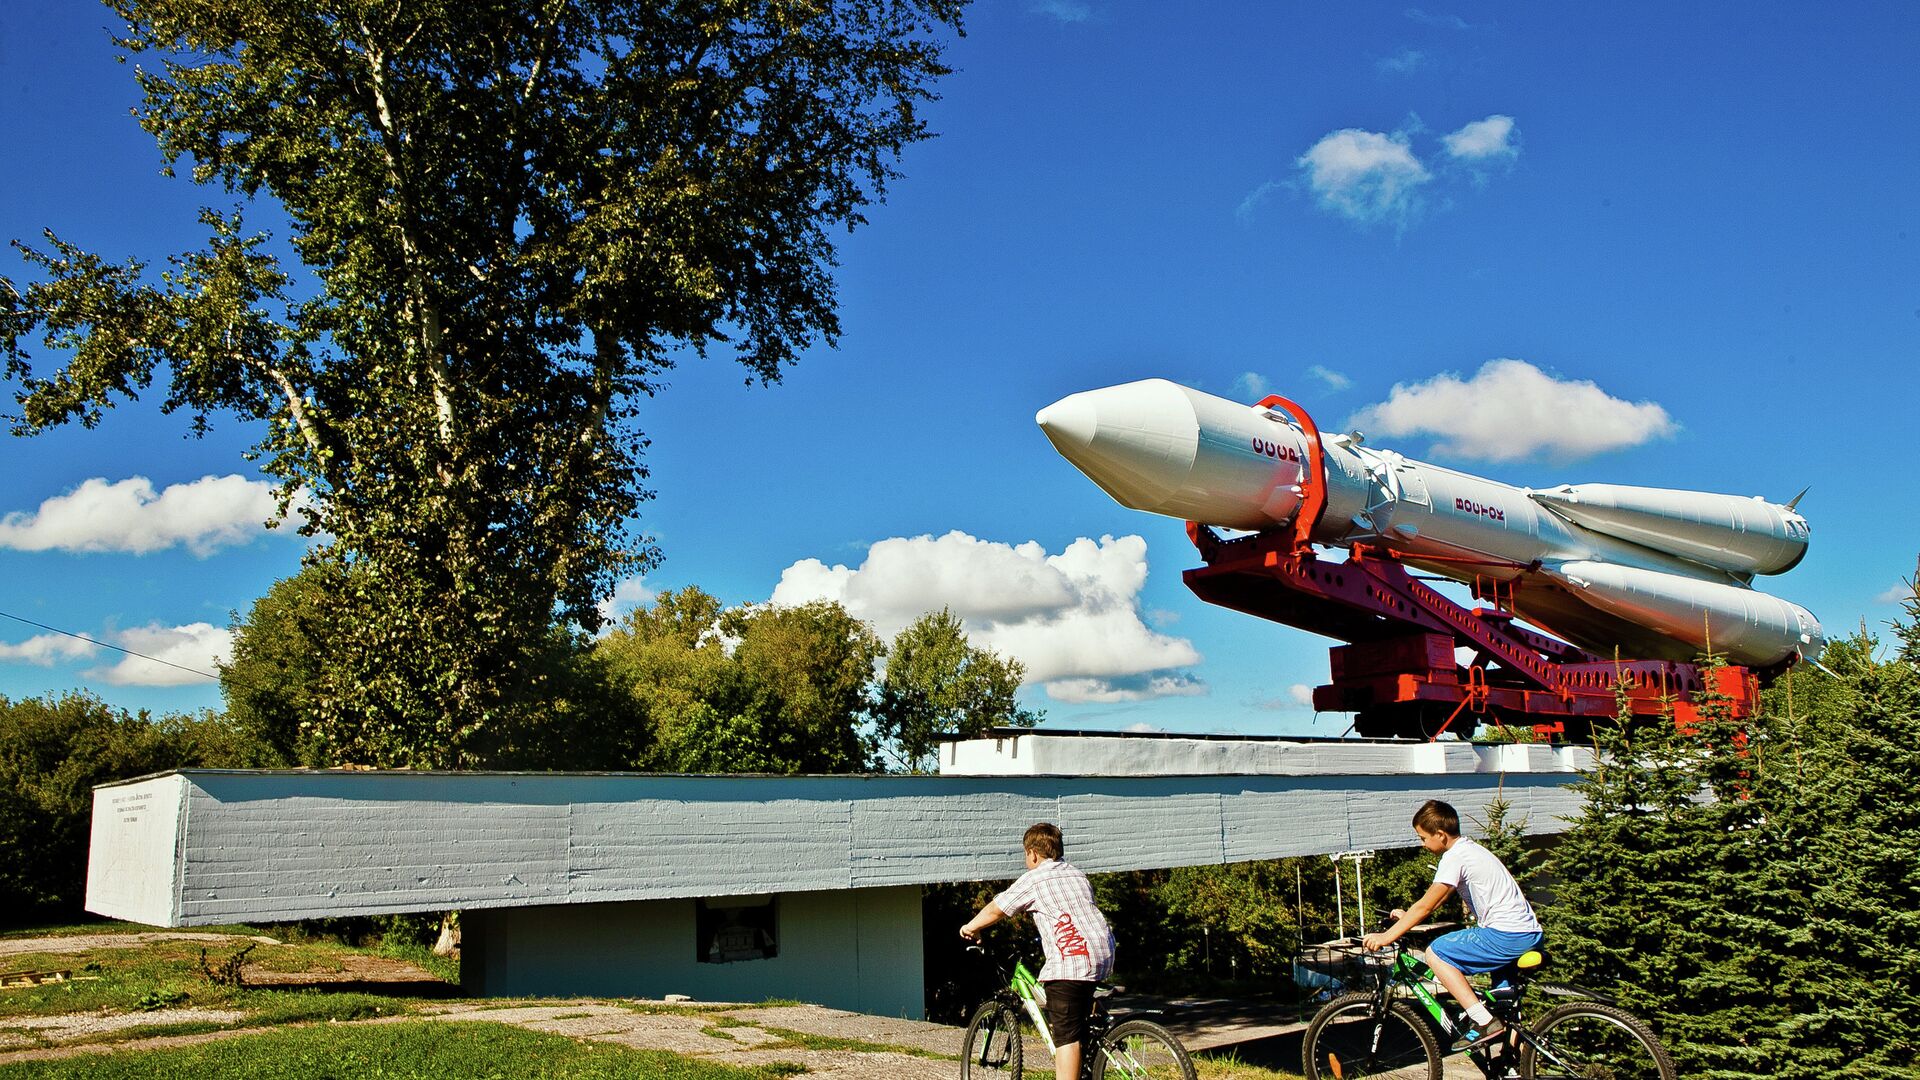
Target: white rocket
[(1654, 572)]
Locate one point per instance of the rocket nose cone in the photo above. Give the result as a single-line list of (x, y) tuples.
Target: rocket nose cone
[(1070, 423)]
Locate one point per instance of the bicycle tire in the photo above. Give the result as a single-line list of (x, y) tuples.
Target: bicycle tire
[(1341, 1042), (1141, 1050), (1590, 1039), (991, 1046)]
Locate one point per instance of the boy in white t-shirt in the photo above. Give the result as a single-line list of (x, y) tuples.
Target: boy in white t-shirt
[(1073, 935), (1505, 926)]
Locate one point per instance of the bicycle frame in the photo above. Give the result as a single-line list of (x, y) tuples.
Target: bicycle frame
[(1027, 989), (1409, 972)]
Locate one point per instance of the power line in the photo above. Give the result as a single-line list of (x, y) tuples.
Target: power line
[(104, 645)]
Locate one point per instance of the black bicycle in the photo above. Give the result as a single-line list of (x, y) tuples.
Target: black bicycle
[(1406, 1023), (1134, 1049)]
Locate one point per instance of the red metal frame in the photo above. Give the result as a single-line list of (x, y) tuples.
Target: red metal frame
[(1313, 480), (1400, 660)]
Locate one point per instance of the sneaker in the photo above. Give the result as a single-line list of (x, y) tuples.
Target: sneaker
[(1485, 1037)]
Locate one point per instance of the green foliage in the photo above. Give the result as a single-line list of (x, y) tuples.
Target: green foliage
[(285, 660), (477, 1051), (751, 689), (277, 664), (52, 753), (509, 219), (1852, 843), (810, 666), (1750, 884), (939, 685), (1244, 910)]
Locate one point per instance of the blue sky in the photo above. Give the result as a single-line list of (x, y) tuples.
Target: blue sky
[(1707, 212)]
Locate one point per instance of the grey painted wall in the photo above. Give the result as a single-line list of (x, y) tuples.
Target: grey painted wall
[(261, 846)]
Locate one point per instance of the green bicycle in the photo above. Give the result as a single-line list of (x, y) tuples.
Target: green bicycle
[(1132, 1049), (1405, 1024)]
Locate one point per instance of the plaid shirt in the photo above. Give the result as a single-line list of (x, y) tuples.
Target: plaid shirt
[(1073, 934)]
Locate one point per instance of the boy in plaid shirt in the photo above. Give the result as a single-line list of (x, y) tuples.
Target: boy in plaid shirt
[(1073, 935)]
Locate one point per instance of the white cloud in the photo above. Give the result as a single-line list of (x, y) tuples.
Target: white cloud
[(1251, 386), (200, 647), (1899, 594), (1444, 20), (1329, 378), (1365, 176), (1299, 696), (128, 516), (1073, 619), (1511, 410), (1404, 62), (1066, 11), (628, 594), (1114, 691), (1244, 212), (1486, 140), (45, 650)]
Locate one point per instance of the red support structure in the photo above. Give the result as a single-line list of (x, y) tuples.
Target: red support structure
[(1400, 672)]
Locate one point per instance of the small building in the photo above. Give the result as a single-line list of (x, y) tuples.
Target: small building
[(750, 887)]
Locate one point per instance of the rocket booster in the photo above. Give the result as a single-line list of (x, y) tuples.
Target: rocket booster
[(1657, 573)]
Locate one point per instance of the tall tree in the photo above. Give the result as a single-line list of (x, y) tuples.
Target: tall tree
[(938, 684), (1676, 887), (750, 689), (510, 217), (1856, 857)]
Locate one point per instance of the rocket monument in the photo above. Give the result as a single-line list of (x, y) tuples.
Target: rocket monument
[(1649, 572)]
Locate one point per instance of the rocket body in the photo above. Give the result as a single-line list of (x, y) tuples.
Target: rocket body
[(1657, 573)]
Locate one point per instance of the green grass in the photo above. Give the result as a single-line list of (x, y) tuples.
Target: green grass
[(475, 1051), (444, 968), (804, 1041), (1228, 1066), (166, 974)]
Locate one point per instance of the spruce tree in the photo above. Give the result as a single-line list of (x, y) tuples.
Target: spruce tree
[(1669, 894), (1853, 975)]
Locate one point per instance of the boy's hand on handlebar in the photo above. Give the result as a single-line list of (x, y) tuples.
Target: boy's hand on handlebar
[(969, 933), (1374, 941)]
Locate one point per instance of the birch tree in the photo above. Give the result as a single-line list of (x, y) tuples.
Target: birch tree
[(506, 219)]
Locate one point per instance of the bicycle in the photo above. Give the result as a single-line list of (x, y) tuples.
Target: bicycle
[(1133, 1049), (1405, 1024)]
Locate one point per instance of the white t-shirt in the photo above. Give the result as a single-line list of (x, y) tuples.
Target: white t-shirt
[(1491, 894)]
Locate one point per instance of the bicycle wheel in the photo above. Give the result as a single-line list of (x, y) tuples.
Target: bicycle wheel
[(1141, 1050), (1348, 1039), (992, 1043), (1585, 1040)]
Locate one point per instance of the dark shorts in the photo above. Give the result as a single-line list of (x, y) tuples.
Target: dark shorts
[(1068, 1002)]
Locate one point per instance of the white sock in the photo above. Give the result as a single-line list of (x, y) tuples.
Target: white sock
[(1477, 1012)]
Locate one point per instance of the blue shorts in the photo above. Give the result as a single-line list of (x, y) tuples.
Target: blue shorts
[(1478, 949)]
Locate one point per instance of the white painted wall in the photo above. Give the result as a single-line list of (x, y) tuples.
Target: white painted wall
[(133, 857), (857, 949)]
